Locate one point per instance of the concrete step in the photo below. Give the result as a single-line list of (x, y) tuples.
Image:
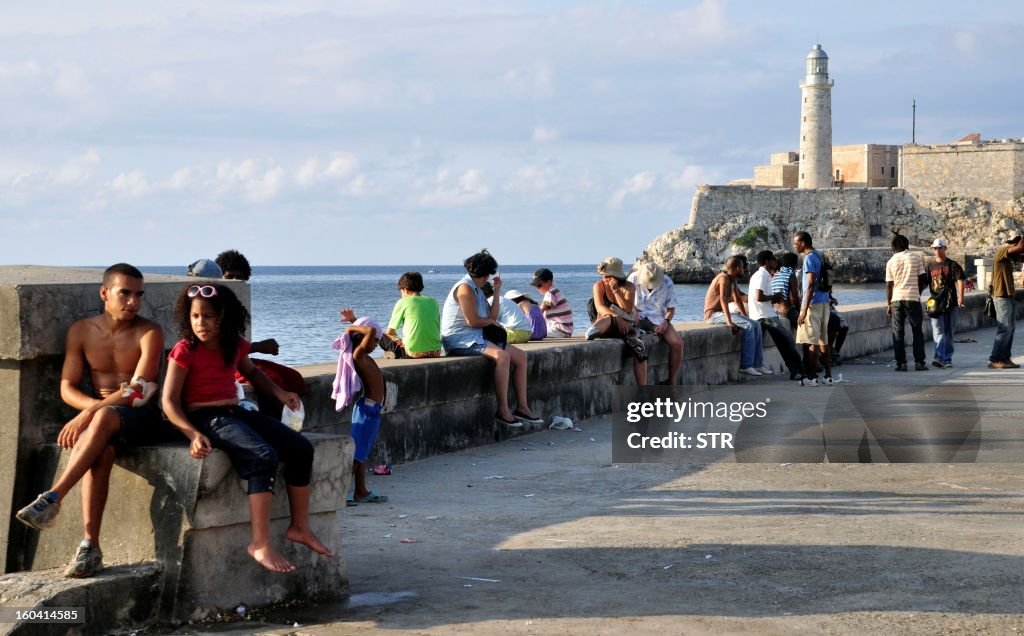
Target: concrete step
[(119, 598)]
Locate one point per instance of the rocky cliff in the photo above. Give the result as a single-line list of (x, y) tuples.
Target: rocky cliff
[(853, 226)]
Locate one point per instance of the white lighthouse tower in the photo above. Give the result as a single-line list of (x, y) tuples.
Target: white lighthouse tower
[(816, 123)]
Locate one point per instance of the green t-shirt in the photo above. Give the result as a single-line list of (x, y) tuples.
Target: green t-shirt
[(422, 323)]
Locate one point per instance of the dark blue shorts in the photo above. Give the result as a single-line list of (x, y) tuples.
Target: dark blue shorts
[(143, 426)]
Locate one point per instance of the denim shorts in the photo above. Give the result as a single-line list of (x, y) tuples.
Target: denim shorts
[(143, 426), (474, 350)]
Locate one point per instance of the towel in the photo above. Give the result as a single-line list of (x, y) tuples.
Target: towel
[(346, 381)]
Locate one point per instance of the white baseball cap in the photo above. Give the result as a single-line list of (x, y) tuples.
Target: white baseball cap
[(940, 243)]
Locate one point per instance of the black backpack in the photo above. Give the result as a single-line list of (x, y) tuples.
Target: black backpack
[(824, 282)]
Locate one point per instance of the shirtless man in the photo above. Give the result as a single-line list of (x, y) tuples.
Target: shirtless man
[(366, 410), (123, 352)]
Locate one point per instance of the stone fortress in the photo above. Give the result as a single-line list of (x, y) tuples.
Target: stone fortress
[(851, 197)]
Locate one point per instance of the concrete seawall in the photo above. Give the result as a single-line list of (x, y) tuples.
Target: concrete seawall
[(442, 405)]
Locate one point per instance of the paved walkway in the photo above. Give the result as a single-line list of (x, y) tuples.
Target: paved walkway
[(543, 534)]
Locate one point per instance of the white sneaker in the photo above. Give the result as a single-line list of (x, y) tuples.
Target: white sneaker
[(751, 371), (809, 382), (765, 371), (827, 381)]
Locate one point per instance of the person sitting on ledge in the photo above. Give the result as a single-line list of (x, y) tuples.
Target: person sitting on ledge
[(722, 291), (466, 317), (613, 314), (122, 351), (418, 318), (656, 305), (200, 400), (511, 318), (235, 266)]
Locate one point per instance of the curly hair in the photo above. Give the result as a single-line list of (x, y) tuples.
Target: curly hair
[(481, 264), (234, 318), (235, 263)]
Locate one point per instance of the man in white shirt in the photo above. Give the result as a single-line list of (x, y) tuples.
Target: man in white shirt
[(759, 306), (656, 304), (903, 285)]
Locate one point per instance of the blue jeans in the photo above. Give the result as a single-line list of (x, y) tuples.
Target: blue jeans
[(751, 353), (1006, 321), (253, 442), (784, 342), (901, 311), (942, 333)]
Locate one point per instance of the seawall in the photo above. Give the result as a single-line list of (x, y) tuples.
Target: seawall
[(442, 405)]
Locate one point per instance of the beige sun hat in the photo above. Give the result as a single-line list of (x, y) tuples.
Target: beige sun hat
[(650, 276), (611, 266)]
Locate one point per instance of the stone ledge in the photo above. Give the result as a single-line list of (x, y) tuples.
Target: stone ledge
[(193, 517)]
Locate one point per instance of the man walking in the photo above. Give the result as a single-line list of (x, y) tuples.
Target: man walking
[(761, 310), (946, 285), (903, 285), (123, 352), (812, 322), (1006, 306)]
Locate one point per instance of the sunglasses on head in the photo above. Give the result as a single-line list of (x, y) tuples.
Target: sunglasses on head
[(206, 291)]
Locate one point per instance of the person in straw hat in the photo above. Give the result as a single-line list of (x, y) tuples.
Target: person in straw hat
[(613, 313), (656, 305)]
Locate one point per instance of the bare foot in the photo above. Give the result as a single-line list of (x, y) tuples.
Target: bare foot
[(270, 558), (308, 539)]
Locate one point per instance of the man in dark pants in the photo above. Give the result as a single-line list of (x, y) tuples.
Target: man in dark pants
[(760, 308), (1006, 307), (903, 285)]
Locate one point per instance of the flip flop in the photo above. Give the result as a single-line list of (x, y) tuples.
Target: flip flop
[(512, 423), (526, 418), (372, 497)]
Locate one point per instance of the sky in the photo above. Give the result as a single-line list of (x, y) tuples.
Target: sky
[(387, 132)]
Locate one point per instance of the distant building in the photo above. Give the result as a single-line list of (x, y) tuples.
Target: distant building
[(991, 170), (865, 165)]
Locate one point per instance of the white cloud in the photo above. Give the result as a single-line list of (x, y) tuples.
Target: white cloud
[(533, 180), (689, 178), (638, 183), (72, 82), (534, 80), (542, 134), (469, 188), (130, 184), (964, 41), (79, 170)]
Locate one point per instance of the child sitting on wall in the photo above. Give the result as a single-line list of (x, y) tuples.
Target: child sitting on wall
[(538, 326), (511, 318), (557, 311), (419, 319)]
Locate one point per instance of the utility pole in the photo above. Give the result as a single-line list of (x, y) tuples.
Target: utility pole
[(913, 124)]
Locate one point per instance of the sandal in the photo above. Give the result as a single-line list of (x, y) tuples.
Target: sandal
[(513, 423), (372, 497), (529, 419)]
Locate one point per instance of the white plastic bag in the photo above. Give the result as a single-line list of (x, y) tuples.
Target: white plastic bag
[(293, 419)]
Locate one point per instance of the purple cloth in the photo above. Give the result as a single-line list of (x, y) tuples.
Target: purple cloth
[(346, 381), (538, 326)]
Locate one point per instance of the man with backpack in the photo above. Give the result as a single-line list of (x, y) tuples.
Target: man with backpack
[(946, 284), (903, 285), (812, 322)]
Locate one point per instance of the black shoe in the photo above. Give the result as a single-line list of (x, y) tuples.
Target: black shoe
[(902, 366), (936, 364), (796, 375), (920, 366)]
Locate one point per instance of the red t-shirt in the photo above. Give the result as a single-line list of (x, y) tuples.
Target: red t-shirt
[(208, 378)]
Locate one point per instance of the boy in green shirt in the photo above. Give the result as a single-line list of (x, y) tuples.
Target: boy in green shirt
[(418, 317)]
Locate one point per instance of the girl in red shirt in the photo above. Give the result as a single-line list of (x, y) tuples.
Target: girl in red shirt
[(200, 399)]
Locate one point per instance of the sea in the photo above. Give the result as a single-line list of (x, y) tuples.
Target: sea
[(298, 306)]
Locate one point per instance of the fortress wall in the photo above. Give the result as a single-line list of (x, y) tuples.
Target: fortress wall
[(990, 171)]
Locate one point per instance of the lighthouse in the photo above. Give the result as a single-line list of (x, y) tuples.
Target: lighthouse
[(816, 123)]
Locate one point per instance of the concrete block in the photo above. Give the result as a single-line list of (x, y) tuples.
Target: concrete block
[(193, 517)]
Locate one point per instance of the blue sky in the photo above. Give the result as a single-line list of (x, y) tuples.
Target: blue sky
[(411, 132)]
